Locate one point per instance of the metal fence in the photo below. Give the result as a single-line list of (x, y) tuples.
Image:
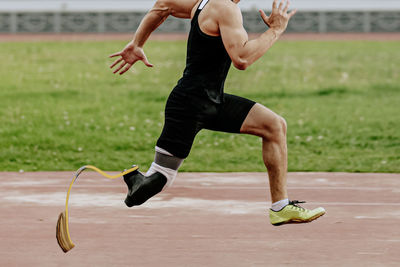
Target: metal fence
[(58, 22), (41, 16)]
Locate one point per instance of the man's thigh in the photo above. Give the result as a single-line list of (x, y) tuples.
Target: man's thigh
[(180, 125), (231, 114)]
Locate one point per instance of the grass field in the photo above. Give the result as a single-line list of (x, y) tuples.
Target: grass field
[(62, 108)]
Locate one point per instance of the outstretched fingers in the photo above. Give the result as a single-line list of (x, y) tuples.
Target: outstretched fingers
[(291, 14), (120, 67), (115, 63), (274, 6), (286, 7), (280, 5), (125, 69), (115, 54), (264, 16), (146, 62)]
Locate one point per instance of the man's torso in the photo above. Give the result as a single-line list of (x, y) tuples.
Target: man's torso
[(207, 62)]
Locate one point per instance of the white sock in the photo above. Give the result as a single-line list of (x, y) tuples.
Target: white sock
[(170, 174), (277, 206)]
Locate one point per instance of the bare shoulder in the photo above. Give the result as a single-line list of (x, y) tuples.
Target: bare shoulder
[(224, 5), (218, 14), (227, 10)]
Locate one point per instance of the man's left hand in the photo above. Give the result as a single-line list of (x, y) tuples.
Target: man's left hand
[(128, 56)]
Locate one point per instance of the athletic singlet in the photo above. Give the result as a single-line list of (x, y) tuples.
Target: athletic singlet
[(207, 63)]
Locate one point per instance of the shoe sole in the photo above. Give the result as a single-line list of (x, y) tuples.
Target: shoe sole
[(297, 221), (130, 202)]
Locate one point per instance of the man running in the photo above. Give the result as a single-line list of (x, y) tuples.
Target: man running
[(216, 39)]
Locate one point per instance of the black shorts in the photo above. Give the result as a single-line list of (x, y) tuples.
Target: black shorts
[(186, 114)]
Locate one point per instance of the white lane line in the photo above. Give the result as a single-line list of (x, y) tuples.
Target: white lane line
[(370, 253), (106, 199), (263, 187), (354, 203), (212, 187)]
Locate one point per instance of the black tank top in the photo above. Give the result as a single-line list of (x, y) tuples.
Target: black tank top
[(207, 63)]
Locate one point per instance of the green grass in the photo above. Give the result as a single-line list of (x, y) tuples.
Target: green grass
[(61, 107)]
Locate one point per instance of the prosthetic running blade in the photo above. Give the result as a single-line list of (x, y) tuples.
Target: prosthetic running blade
[(62, 229)]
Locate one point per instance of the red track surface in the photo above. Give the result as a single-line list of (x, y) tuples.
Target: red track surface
[(205, 219)]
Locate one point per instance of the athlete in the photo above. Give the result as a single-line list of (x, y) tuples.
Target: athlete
[(216, 39)]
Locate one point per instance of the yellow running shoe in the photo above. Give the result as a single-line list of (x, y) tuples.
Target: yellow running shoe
[(292, 213)]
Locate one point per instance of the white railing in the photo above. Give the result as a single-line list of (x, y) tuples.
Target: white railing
[(143, 5)]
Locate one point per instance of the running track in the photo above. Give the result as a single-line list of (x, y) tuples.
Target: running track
[(205, 219)]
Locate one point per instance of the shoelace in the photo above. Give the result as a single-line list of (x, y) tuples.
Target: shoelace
[(295, 202)]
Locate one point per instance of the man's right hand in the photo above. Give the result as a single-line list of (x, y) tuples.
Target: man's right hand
[(279, 18), (128, 56)]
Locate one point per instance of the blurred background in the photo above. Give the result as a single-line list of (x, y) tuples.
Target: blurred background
[(94, 16)]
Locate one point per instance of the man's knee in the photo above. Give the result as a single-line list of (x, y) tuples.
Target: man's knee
[(284, 125), (265, 123), (275, 129)]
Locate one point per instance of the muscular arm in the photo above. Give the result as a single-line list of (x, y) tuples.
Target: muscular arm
[(242, 51), (154, 18), (158, 14)]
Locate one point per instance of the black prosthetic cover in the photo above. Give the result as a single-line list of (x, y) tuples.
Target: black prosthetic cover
[(141, 188)]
